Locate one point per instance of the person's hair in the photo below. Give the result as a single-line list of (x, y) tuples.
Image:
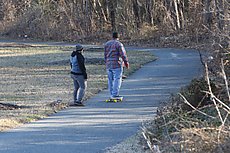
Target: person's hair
[(115, 35)]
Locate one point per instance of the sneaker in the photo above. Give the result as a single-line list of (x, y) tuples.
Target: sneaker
[(77, 104), (124, 76), (115, 97)]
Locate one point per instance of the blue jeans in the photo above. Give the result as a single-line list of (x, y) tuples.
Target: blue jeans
[(80, 85), (114, 81)]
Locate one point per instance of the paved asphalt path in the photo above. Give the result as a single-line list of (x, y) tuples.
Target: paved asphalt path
[(99, 125)]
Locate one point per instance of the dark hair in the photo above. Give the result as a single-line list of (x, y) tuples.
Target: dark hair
[(115, 35)]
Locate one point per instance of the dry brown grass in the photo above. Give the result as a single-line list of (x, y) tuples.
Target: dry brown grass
[(8, 123), (198, 120), (36, 79), (200, 129)]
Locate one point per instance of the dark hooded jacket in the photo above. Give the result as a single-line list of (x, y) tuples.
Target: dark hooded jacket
[(77, 63)]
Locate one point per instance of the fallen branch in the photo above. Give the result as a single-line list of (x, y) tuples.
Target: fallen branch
[(8, 106), (186, 101)]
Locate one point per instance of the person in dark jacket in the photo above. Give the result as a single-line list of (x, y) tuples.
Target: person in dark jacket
[(79, 75)]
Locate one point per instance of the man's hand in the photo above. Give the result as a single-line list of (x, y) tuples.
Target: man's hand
[(127, 65)]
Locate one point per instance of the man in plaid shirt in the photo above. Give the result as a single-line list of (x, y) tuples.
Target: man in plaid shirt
[(115, 56)]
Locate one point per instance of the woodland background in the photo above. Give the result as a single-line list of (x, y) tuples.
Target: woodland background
[(87, 20)]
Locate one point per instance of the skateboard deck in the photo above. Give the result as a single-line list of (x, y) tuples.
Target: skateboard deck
[(119, 99)]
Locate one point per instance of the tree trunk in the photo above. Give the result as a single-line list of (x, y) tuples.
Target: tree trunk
[(177, 14), (112, 9), (208, 14), (227, 15), (136, 11), (220, 13), (105, 8), (102, 11), (181, 11), (1, 11), (149, 8)]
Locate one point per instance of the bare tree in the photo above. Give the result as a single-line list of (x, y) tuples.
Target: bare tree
[(80, 18), (113, 11), (1, 10), (208, 13), (219, 9), (150, 9)]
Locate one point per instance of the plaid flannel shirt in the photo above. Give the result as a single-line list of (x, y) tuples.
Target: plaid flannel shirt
[(115, 54)]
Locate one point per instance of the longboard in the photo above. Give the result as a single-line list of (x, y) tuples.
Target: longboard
[(119, 99)]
